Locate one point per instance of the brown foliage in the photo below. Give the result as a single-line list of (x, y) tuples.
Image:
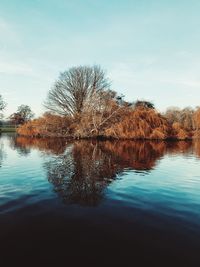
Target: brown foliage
[(179, 132), (94, 122), (196, 119), (182, 116), (185, 123), (106, 118), (48, 125), (86, 107), (140, 123)]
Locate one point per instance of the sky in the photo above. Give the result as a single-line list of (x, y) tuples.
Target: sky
[(149, 48)]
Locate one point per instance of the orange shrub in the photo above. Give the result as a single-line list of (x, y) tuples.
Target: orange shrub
[(115, 122), (47, 125), (196, 119), (179, 132), (140, 123)]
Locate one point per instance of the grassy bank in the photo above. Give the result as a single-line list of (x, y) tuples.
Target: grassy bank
[(7, 129)]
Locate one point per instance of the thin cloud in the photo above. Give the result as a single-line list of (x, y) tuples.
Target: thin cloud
[(15, 68), (8, 34)]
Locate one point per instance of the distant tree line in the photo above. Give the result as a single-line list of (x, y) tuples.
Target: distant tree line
[(21, 116)]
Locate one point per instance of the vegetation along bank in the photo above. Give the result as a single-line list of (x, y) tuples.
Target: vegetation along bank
[(81, 104)]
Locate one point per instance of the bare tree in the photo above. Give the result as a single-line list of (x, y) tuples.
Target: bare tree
[(186, 118), (75, 88), (173, 114), (100, 111), (26, 112), (2, 105), (182, 116)]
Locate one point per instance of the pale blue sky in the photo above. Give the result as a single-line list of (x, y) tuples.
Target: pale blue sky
[(150, 49)]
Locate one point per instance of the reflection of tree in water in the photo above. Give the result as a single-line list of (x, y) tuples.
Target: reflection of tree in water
[(197, 148), (82, 173), (22, 148), (1, 154), (24, 145), (142, 156), (81, 170)]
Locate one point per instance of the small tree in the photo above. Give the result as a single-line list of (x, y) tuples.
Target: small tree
[(16, 118), (23, 114), (2, 105)]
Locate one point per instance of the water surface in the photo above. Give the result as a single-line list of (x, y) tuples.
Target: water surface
[(91, 203)]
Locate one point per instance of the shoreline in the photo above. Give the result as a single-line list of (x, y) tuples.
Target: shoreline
[(7, 130), (105, 138)]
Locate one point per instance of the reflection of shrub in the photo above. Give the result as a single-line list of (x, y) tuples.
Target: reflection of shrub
[(52, 145), (82, 169), (197, 148), (81, 174)]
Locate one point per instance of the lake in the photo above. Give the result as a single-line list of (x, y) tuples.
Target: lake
[(99, 203)]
